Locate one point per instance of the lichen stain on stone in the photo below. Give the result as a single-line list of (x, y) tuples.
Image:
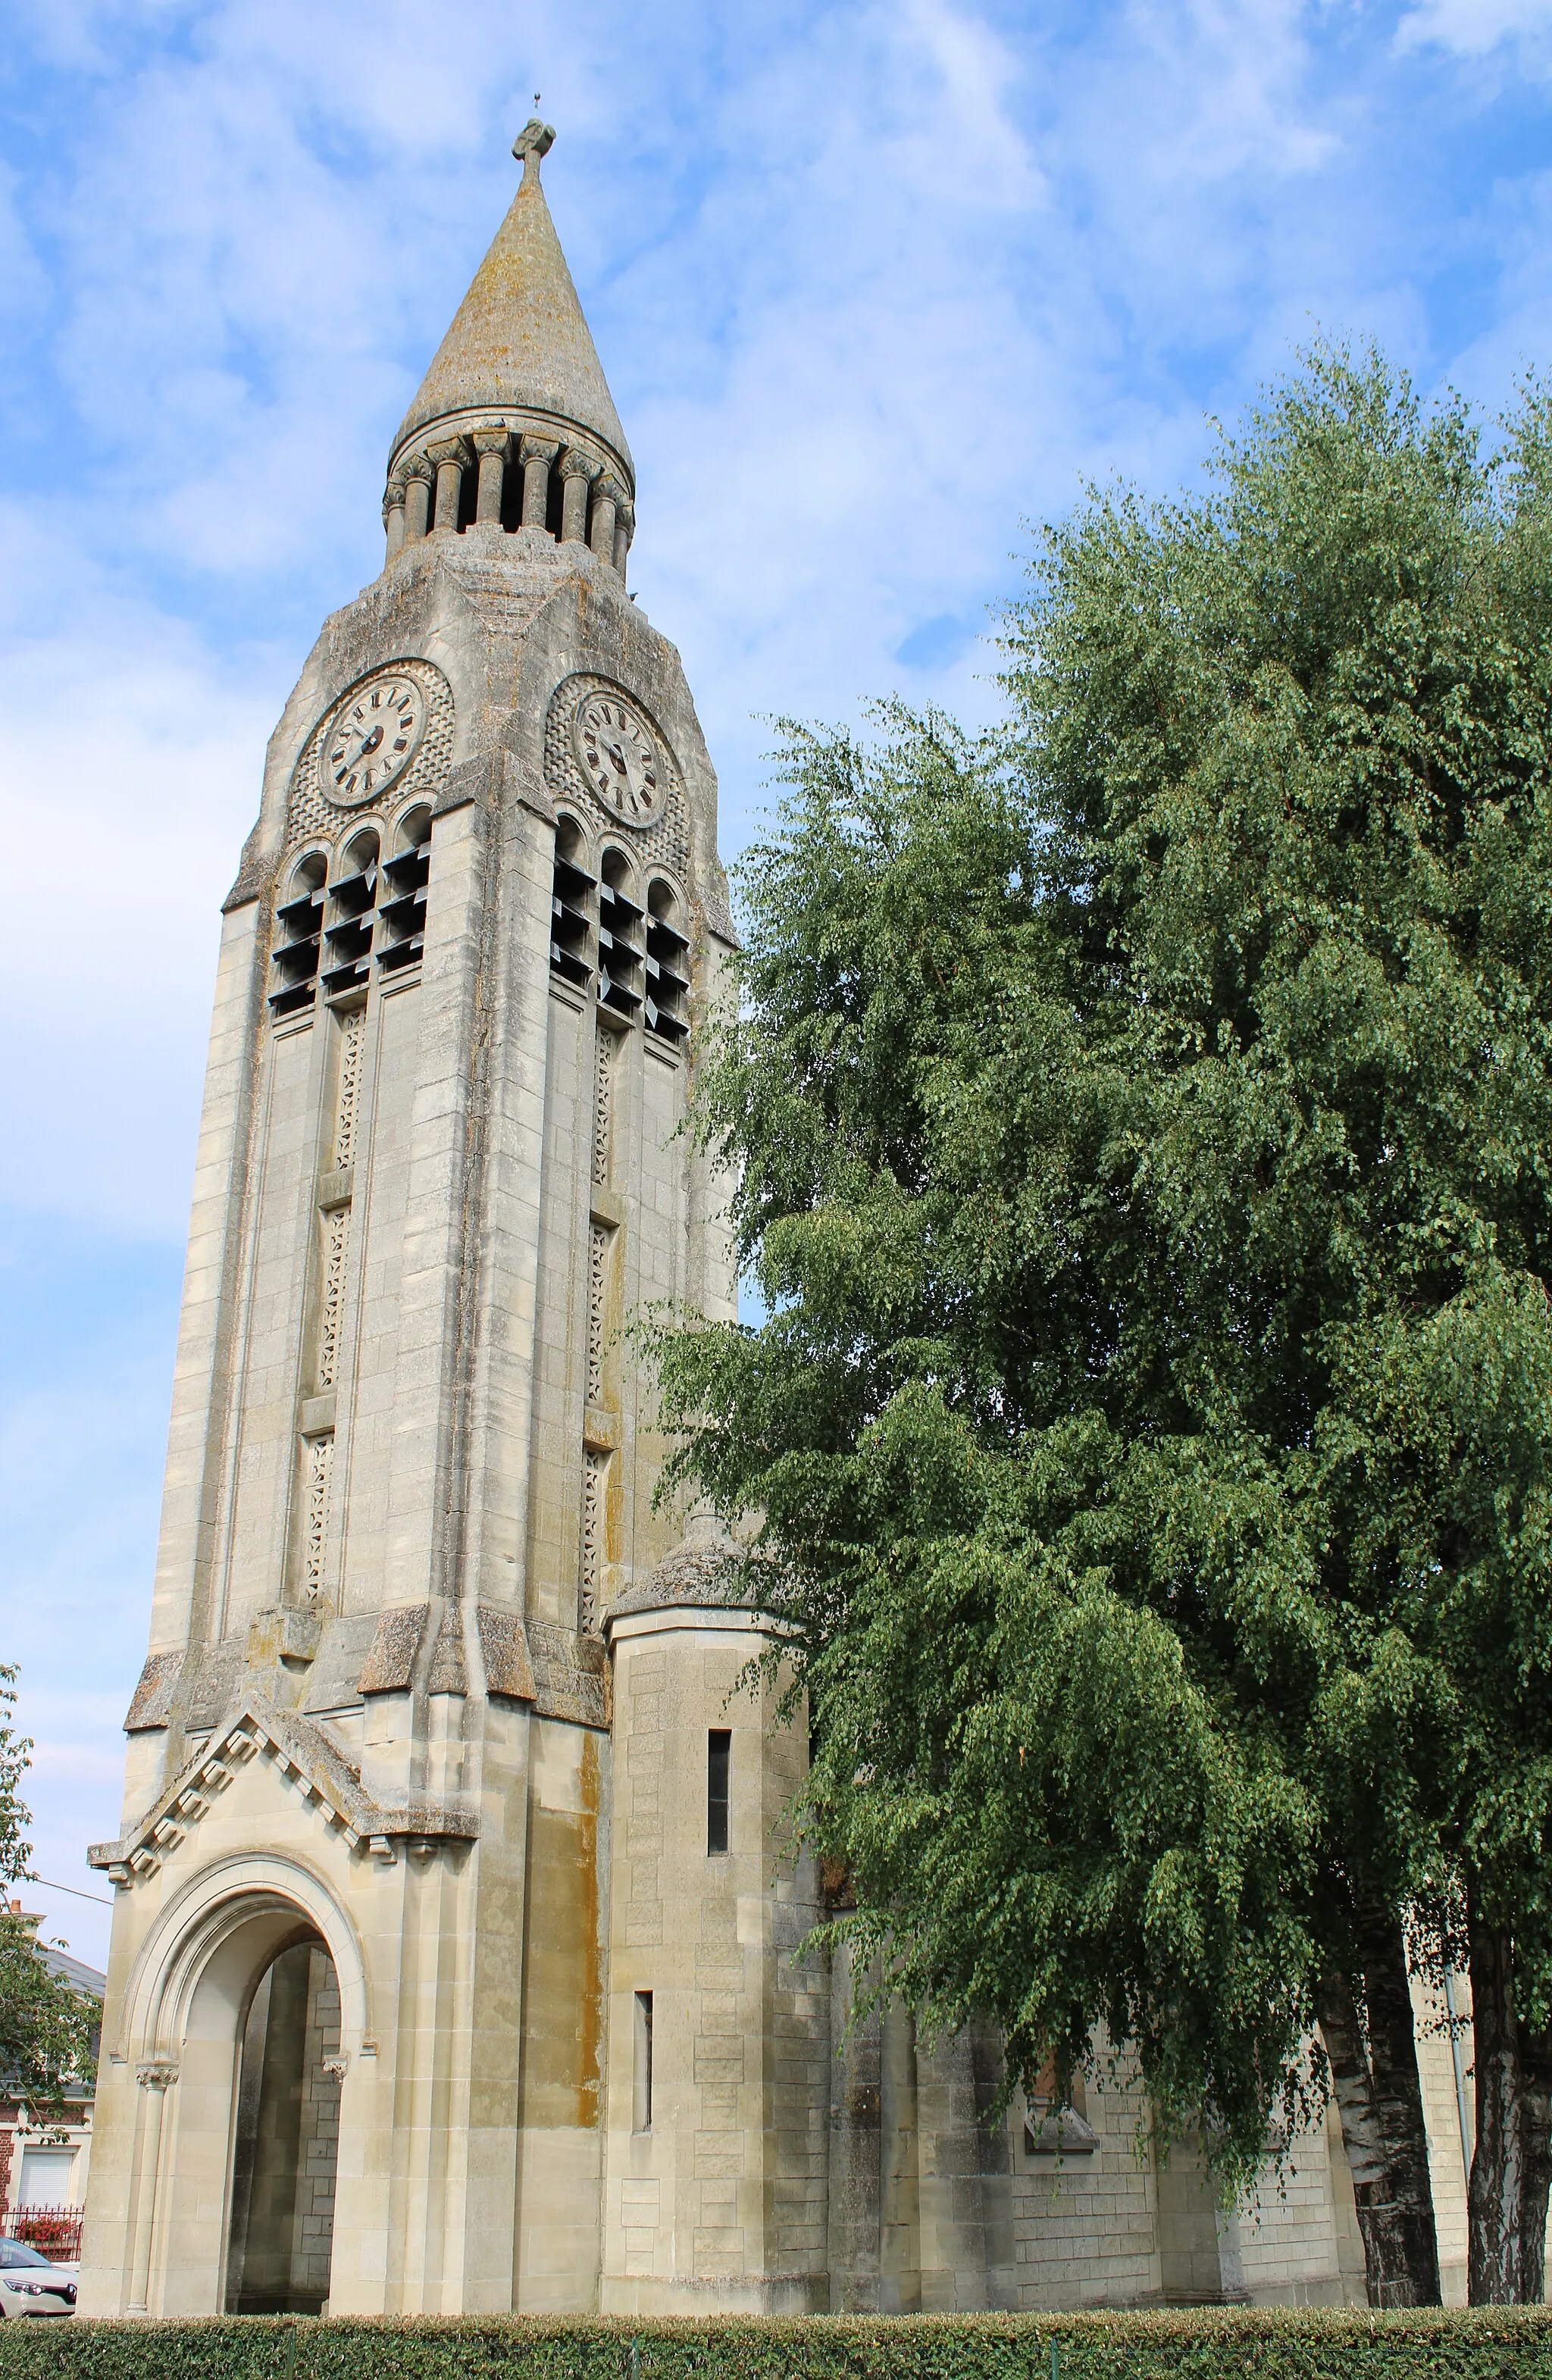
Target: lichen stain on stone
[(565, 1981), (589, 2102)]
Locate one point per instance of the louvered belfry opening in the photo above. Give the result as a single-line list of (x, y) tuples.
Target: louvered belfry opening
[(402, 914), (621, 942), (668, 964), (571, 907), (347, 938), (298, 930)]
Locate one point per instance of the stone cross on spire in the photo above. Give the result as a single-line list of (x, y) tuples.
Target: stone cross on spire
[(535, 140)]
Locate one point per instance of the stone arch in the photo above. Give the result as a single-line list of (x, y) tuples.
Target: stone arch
[(185, 2014)]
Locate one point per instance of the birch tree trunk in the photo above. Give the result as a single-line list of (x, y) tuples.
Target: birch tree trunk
[(1373, 2053)]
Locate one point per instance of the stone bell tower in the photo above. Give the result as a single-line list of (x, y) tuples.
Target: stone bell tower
[(452, 1963), (391, 2020)]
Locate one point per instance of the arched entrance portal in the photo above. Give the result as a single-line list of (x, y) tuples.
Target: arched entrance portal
[(286, 2136)]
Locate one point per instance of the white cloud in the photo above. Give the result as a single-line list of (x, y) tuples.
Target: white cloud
[(1471, 28), (128, 776)]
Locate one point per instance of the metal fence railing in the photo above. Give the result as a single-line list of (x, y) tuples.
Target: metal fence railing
[(54, 2231)]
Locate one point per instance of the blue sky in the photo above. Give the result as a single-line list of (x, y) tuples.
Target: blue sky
[(873, 285)]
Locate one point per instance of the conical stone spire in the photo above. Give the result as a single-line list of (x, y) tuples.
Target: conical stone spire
[(519, 344)]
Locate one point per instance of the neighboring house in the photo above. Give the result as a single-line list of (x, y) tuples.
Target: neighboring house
[(43, 2166)]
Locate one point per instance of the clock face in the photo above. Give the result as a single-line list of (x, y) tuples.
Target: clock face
[(618, 757), (372, 738)]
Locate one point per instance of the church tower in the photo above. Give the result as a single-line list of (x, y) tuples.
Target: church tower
[(388, 1946), (454, 1952)]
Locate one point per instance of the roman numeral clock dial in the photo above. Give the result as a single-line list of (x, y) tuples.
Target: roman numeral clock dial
[(618, 758), (372, 738)]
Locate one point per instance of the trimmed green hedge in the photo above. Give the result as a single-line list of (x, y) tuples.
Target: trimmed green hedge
[(1232, 2345)]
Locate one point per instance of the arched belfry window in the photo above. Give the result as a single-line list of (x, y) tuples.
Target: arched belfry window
[(571, 907), (406, 876), (668, 962), (621, 950), (347, 938), (298, 926)]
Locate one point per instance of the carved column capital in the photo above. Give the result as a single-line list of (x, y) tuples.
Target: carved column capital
[(394, 516), (416, 466), (577, 473), (606, 497), (156, 2073), (449, 454), (491, 445), (536, 454)]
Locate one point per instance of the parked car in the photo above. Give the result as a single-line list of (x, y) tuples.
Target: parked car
[(29, 2284)]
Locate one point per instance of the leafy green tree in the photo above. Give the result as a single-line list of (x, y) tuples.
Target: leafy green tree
[(1140, 1122), (47, 2026)]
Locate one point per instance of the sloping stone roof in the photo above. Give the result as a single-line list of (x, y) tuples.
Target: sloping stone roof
[(520, 337), (718, 1573)]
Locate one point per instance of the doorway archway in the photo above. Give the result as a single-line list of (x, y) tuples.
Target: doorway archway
[(280, 2238)]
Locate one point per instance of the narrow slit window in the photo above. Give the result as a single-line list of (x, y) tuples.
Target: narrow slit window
[(718, 1757), (642, 2065)]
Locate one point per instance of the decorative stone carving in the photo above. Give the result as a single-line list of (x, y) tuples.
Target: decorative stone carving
[(603, 1102), (425, 773), (666, 840), (317, 1459), (533, 143), (595, 1495)]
